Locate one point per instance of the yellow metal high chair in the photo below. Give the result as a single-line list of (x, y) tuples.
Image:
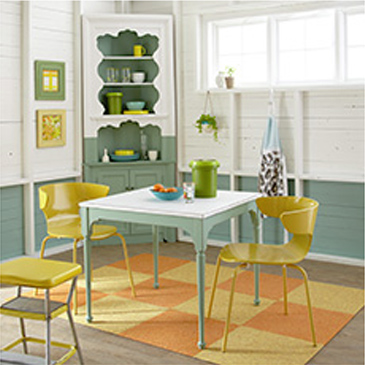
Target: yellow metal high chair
[(60, 205), (42, 274), (298, 215)]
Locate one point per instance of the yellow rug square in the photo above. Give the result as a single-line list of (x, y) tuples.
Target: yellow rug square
[(250, 346), (116, 314), (330, 297), (243, 308), (110, 280), (187, 273)]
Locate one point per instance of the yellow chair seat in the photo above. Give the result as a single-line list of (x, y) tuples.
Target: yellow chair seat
[(37, 273), (265, 254), (70, 227)]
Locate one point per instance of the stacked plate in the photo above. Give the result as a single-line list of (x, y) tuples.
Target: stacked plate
[(124, 155)]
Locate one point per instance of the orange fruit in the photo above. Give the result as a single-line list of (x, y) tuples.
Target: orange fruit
[(158, 187), (171, 190)]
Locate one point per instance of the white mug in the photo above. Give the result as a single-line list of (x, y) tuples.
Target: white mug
[(152, 155), (138, 77)]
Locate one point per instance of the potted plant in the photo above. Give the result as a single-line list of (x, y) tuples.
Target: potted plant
[(208, 124), (230, 79)]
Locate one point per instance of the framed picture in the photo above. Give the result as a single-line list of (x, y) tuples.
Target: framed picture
[(51, 128), (49, 80)]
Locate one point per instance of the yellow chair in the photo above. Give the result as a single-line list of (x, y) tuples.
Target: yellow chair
[(60, 205), (42, 274), (298, 215)]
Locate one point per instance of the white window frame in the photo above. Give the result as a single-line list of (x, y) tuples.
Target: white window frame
[(207, 48)]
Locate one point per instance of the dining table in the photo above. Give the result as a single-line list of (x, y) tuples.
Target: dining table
[(197, 219)]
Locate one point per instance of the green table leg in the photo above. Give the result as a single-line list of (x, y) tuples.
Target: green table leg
[(87, 261), (256, 223), (200, 264), (155, 243)]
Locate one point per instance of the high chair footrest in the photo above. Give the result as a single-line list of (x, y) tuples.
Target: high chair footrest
[(31, 308), (7, 357)]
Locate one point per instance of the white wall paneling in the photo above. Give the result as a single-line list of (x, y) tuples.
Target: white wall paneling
[(37, 30)]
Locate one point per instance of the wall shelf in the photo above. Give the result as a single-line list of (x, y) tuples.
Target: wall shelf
[(128, 84)]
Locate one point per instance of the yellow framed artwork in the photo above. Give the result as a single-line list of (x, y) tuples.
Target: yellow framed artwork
[(51, 128)]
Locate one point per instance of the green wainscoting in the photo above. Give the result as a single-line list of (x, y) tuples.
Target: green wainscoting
[(40, 227), (12, 222), (340, 223)]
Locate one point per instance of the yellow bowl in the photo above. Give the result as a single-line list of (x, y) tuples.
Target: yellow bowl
[(124, 152)]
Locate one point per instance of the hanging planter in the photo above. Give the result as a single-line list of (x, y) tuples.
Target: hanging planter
[(207, 123)]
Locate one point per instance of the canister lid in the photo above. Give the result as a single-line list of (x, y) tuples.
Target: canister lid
[(201, 164), (114, 94)]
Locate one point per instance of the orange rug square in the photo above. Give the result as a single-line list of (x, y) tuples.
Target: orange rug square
[(296, 323), (169, 294), (271, 286), (144, 263), (176, 331)]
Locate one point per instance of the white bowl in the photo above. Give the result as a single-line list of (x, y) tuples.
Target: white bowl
[(138, 76)]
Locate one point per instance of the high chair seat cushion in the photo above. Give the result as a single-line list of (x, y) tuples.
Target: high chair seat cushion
[(37, 273)]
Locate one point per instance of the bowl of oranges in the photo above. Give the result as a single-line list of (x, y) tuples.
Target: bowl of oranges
[(162, 193)]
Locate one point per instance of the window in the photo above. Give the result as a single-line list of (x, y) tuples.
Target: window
[(244, 48), (323, 46), (306, 48), (355, 46)]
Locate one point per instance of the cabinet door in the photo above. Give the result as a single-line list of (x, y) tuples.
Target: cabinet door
[(141, 178), (118, 181)]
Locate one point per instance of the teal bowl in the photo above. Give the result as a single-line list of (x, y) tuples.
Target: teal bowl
[(135, 105), (168, 196)]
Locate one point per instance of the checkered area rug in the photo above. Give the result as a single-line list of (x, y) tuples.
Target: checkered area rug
[(167, 317)]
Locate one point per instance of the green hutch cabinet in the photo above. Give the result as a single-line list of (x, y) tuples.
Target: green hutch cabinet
[(108, 42)]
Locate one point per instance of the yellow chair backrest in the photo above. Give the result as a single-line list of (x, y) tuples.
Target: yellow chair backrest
[(297, 214), (64, 198)]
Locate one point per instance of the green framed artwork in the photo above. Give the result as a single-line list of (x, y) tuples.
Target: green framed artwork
[(51, 128), (49, 80)]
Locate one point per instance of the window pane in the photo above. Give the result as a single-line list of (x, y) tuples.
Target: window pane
[(306, 48), (254, 38), (319, 65), (253, 69), (229, 39), (291, 34), (319, 32), (355, 63), (292, 66), (356, 29), (244, 48)]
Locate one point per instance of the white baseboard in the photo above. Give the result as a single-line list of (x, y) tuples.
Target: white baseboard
[(311, 256)]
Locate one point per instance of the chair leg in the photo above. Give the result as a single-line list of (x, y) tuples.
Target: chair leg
[(47, 308), (74, 260), (305, 276), (214, 285), (127, 263), (22, 329), (228, 320), (285, 289)]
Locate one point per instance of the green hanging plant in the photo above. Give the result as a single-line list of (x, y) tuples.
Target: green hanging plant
[(208, 124)]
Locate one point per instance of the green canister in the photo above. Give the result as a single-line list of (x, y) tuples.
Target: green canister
[(114, 103), (205, 177)]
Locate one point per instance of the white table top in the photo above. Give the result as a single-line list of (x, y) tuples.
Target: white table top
[(143, 201)]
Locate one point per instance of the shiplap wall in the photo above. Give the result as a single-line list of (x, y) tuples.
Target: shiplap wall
[(10, 89)]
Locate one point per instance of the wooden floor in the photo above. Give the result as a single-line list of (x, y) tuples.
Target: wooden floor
[(105, 348)]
